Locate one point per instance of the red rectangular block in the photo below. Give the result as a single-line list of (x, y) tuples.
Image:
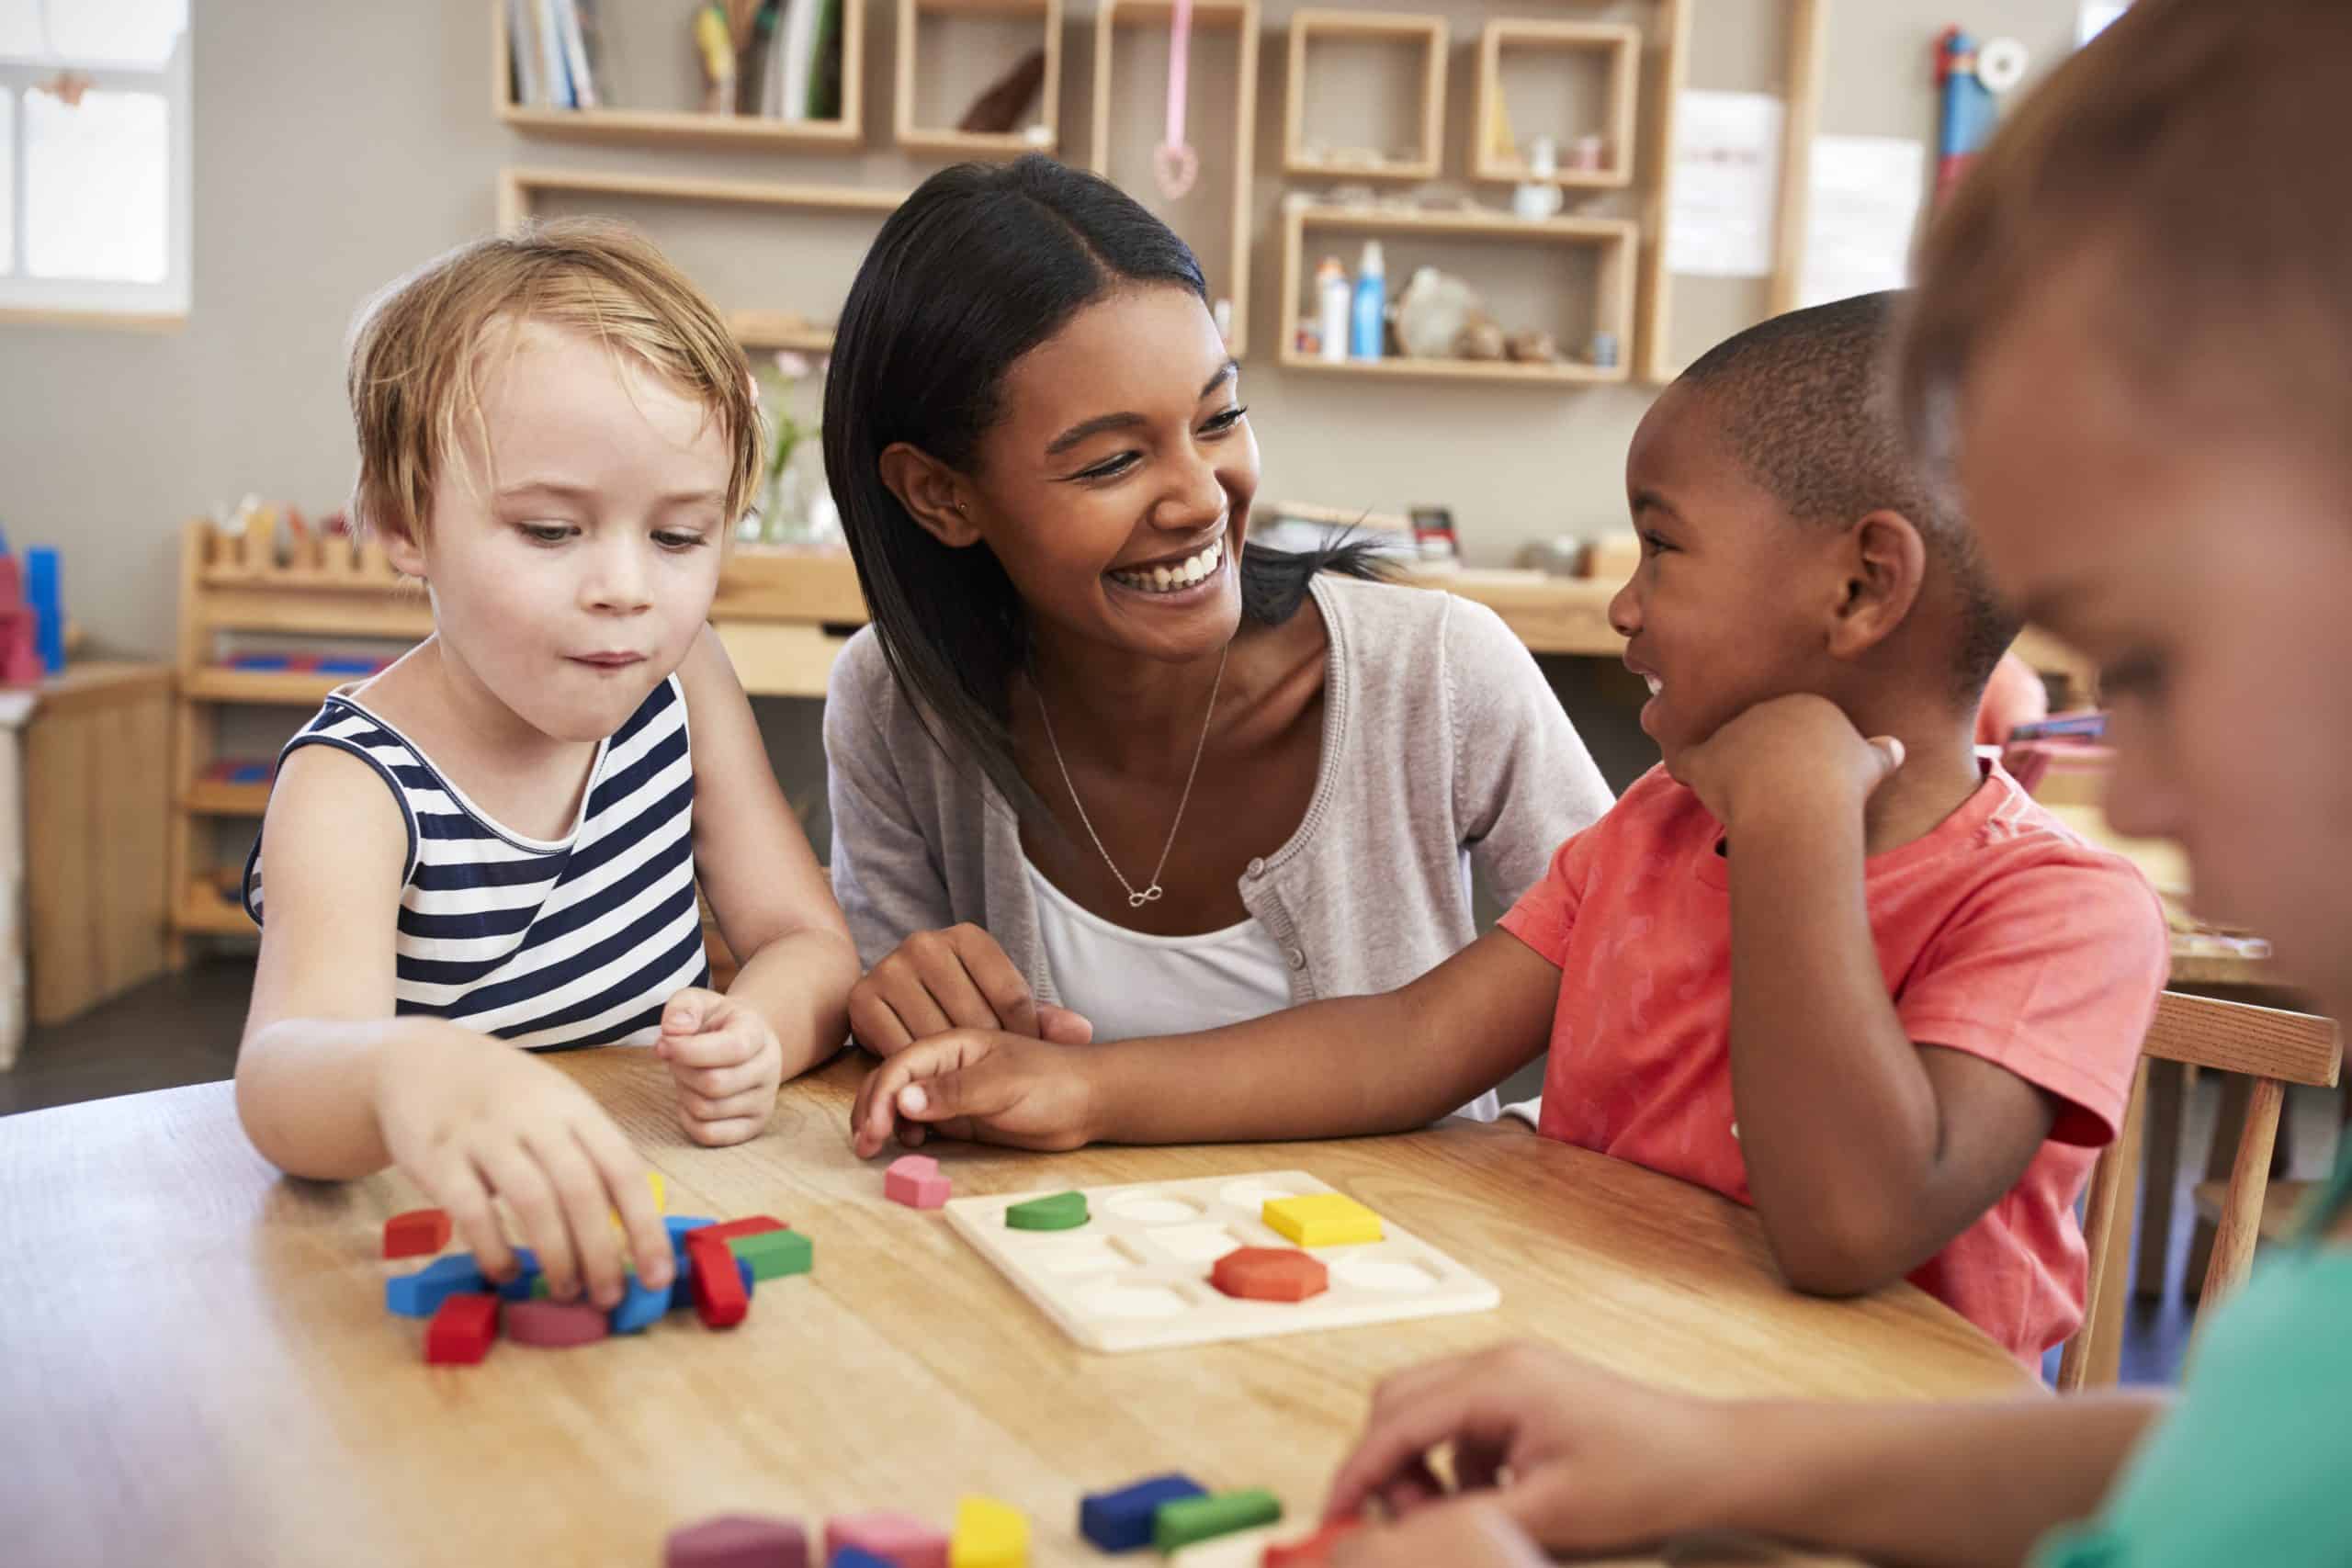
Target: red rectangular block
[(416, 1232), (461, 1331), (719, 1298)]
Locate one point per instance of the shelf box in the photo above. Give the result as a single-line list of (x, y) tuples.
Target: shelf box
[(1371, 29), (1228, 278), (1616, 53), (1606, 244), (687, 127), (1043, 136)]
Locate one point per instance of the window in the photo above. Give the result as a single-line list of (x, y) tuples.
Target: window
[(95, 127)]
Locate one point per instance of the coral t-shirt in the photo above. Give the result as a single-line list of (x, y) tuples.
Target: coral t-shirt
[(1999, 933)]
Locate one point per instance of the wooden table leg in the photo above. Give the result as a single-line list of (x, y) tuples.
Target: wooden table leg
[(2166, 1092)]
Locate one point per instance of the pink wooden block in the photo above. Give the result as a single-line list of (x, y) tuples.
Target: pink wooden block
[(914, 1180), (895, 1538), (737, 1540), (554, 1324)]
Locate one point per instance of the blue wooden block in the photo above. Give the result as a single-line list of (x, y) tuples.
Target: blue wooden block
[(421, 1294), (639, 1307), (348, 666), (856, 1557), (1122, 1520), (678, 1226), (519, 1287), (261, 662), (250, 773)]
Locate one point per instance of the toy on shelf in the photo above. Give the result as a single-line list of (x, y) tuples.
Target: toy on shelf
[(20, 663), (1971, 78)]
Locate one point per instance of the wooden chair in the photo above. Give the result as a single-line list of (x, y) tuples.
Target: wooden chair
[(2272, 1048)]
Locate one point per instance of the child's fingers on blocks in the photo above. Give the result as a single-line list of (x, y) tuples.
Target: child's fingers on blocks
[(585, 1199), (514, 1174), (1401, 1430), (624, 1175), (454, 1188)]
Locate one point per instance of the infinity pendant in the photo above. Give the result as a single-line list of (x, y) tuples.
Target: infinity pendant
[(1150, 894)]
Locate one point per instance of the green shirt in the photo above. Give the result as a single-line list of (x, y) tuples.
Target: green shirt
[(2254, 1464)]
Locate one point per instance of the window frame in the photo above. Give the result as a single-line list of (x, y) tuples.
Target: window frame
[(99, 301)]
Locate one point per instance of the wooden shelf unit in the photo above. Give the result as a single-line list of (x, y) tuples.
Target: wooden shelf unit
[(687, 128), (1617, 240), (1242, 16), (947, 141), (238, 585), (1620, 48), (1305, 27)]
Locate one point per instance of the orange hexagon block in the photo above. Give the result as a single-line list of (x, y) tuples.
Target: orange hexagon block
[(1270, 1274)]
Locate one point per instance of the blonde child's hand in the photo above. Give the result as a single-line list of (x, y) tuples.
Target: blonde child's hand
[(982, 1085), (1581, 1460), (1461, 1535), (468, 1118), (956, 978), (728, 1063), (1790, 751)]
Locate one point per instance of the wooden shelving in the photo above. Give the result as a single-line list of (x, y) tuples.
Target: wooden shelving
[(1620, 52), (211, 798), (519, 189), (779, 329), (1615, 241), (685, 128), (1242, 17), (947, 141), (1377, 26)]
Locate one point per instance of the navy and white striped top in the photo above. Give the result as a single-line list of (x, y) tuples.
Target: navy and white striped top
[(550, 945)]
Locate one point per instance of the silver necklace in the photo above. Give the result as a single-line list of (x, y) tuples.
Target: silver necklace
[(1153, 893)]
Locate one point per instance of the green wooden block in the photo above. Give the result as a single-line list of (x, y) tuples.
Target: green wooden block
[(1062, 1211), (1184, 1521), (775, 1254)]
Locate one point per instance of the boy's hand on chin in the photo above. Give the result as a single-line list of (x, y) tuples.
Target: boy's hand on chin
[(1797, 752)]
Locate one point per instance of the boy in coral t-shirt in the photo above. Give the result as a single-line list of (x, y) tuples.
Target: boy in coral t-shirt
[(1864, 984)]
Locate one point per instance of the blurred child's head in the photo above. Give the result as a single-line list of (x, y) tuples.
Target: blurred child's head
[(556, 432), (1789, 545), (2134, 343)]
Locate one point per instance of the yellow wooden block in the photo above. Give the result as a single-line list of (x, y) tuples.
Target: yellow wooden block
[(988, 1534), (1322, 1219), (661, 1198)]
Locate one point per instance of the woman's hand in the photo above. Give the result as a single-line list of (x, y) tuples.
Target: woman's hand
[(956, 978), (468, 1118), (986, 1086)]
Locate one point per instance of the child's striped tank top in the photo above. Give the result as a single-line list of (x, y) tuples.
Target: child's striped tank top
[(548, 945)]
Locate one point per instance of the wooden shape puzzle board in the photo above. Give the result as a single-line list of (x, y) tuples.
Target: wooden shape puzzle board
[(1136, 1276)]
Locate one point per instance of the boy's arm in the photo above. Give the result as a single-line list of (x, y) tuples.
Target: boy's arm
[(1866, 1151), (1355, 1065), (773, 905)]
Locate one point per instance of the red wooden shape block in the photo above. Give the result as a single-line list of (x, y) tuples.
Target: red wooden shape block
[(554, 1324), (915, 1181), (733, 1228), (1270, 1274), (737, 1540), (416, 1232), (1312, 1552), (720, 1300), (461, 1332)]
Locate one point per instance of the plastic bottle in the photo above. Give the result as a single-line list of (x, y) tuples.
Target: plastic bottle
[(1369, 325), (1332, 306)]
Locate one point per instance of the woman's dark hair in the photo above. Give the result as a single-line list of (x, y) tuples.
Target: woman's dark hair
[(982, 264)]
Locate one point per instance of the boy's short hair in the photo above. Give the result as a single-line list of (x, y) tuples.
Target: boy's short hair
[(2184, 154), (417, 351), (1808, 402)]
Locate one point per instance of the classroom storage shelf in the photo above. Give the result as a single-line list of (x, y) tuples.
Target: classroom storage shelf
[(947, 141), (1426, 34)]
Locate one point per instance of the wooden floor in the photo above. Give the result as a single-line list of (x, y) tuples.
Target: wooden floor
[(182, 1029)]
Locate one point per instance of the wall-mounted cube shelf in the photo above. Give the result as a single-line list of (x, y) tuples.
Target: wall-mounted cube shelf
[(1610, 54), (1305, 148), (1042, 134)]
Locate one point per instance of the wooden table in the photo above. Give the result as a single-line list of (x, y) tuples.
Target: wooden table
[(196, 1365)]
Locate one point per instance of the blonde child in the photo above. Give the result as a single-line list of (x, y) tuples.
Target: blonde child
[(2134, 322), (494, 848), (1864, 984)]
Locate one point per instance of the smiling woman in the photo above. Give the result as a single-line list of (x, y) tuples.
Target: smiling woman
[(1101, 766)]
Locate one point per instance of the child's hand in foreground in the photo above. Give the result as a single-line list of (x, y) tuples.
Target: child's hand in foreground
[(1595, 1463), (1799, 752), (982, 1085), (468, 1118), (728, 1064)]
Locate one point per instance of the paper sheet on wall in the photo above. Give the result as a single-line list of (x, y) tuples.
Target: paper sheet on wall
[(1727, 185), (1861, 208)]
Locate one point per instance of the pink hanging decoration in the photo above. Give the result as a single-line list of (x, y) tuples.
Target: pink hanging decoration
[(1174, 165)]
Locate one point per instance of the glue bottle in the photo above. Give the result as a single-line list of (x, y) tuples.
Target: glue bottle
[(1369, 327)]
